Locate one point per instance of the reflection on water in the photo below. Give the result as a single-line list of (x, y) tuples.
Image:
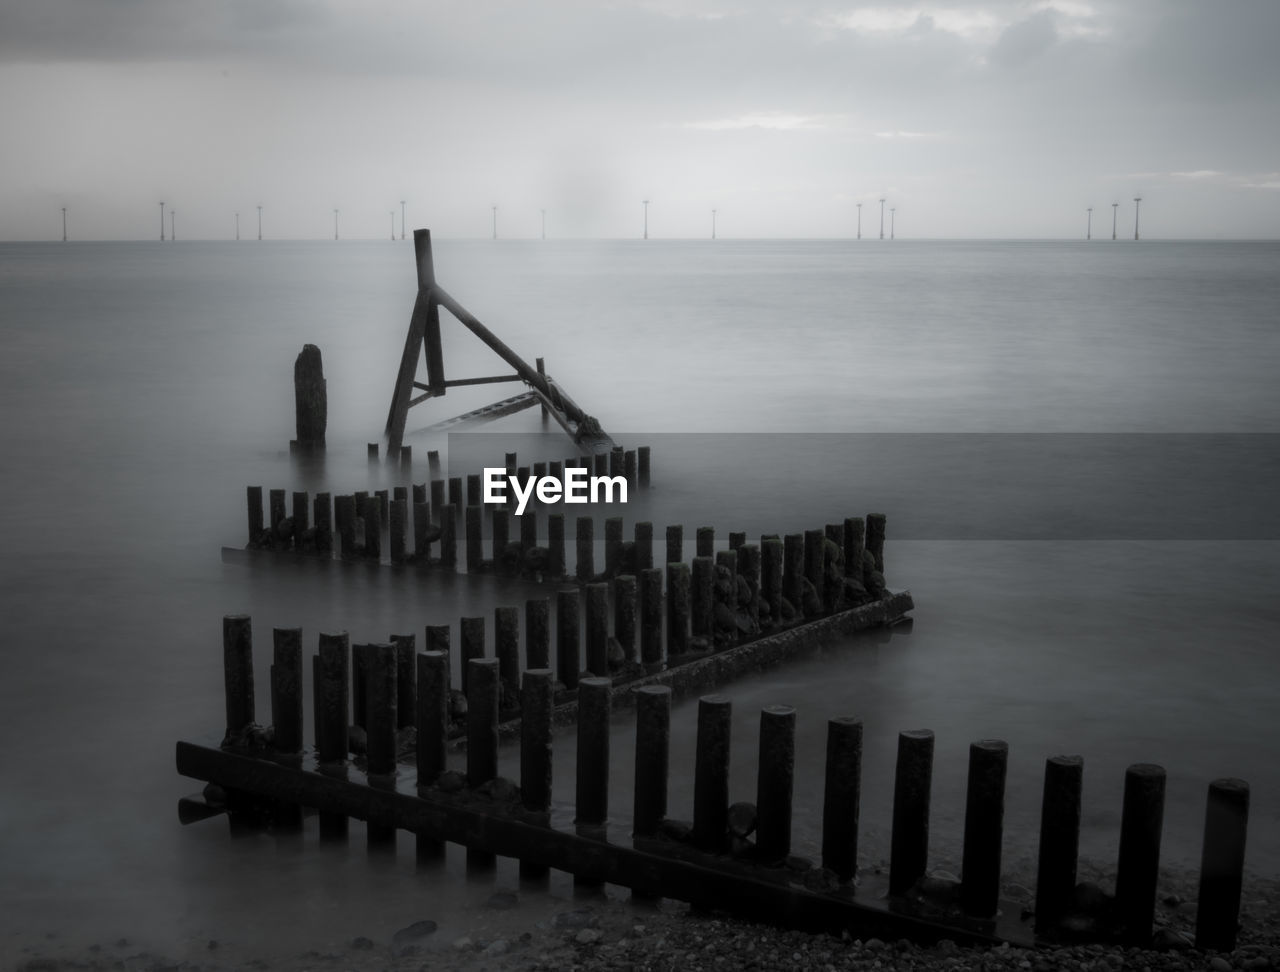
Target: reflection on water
[(144, 388)]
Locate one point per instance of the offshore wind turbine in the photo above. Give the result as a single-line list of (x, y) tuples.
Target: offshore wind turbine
[(173, 234), (646, 218), (393, 229), (335, 224), (237, 226), (1114, 207), (64, 224), (495, 222), (1088, 230), (1137, 204), (393, 226), (892, 210), (162, 221), (713, 224), (859, 220), (544, 223), (882, 217)]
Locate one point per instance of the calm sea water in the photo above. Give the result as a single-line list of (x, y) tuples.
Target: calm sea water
[(142, 386)]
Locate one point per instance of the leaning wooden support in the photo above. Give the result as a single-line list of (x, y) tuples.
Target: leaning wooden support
[(1226, 819)]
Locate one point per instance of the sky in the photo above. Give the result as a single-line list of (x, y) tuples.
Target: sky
[(972, 119)]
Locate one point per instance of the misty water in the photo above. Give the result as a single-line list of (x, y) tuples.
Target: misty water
[(990, 398)]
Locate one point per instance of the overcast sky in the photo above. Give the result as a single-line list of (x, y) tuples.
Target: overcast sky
[(979, 118)]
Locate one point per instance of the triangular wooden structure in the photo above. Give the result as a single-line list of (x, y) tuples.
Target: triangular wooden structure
[(424, 334)]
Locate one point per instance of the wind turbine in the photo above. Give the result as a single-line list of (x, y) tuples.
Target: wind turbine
[(1137, 204), (393, 226), (892, 210), (64, 224), (859, 220), (162, 221), (713, 224), (495, 222), (1088, 231), (335, 224), (393, 230), (646, 218), (259, 222), (882, 217), (1114, 207)]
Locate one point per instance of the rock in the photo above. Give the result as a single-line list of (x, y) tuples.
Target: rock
[(1219, 964), (725, 617), (810, 602), (498, 947), (451, 781), (537, 560), (463, 944), (742, 819), (284, 529), (821, 879), (500, 789), (677, 829), (457, 705), (357, 741), (582, 918), (415, 932), (617, 657), (795, 862), (588, 936), (362, 943), (1166, 939)]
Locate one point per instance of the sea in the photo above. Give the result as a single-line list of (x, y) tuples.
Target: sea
[(1076, 445)]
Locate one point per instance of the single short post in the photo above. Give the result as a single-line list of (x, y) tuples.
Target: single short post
[(471, 643), (555, 469), (536, 694), (420, 493), (1059, 839), (775, 775), (983, 828), (568, 641), (406, 458), (254, 496), (736, 539), (448, 537), (597, 597), (771, 552), (651, 618), (875, 538), (706, 541), (855, 540), (382, 718), (432, 715), (617, 461), (842, 797), (372, 451), (653, 743), (384, 504), (506, 645), (438, 639), (537, 632), (644, 545), (421, 528), (406, 680), (585, 544), (601, 464), (373, 529), (711, 773), (678, 609), (1226, 819), (1139, 862), (612, 544), (475, 539), (482, 720), (360, 685), (592, 792), (399, 514), (433, 464), (793, 569), (237, 671), (913, 780), (675, 544), (286, 689), (333, 693), (625, 591), (322, 514), (555, 545), (702, 597), (642, 466)]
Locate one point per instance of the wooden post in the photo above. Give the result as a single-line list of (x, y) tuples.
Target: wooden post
[(736, 539), (433, 464), (592, 791), (432, 715), (536, 698), (382, 715), (276, 511), (771, 552), (597, 596), (399, 514), (286, 689), (855, 539), (814, 541), (406, 680), (675, 544), (644, 545), (617, 461), (842, 797), (372, 451), (1139, 862), (875, 538), (1059, 839), (254, 496), (775, 776), (322, 514), (651, 618), (909, 842), (449, 537), (421, 526), (457, 496), (1226, 819), (706, 541), (501, 529), (237, 671), (528, 530), (332, 693), (555, 545), (406, 458), (437, 496), (629, 469), (471, 642), (793, 569), (702, 596), (711, 773), (373, 529), (360, 685), (624, 614), (300, 507), (482, 720), (585, 543), (653, 742), (678, 609), (506, 644), (601, 464), (420, 493), (344, 512), (642, 466), (728, 559), (475, 539), (473, 489), (983, 828), (749, 570), (568, 641), (612, 545), (438, 639), (537, 633)]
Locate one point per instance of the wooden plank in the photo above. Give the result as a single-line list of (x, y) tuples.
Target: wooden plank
[(655, 866)]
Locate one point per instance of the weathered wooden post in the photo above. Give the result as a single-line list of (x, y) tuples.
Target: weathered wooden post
[(749, 570), (675, 544), (1139, 862), (771, 552), (237, 671), (457, 496), (536, 695), (814, 549), (399, 514), (381, 731), (706, 541), (793, 569), (506, 645), (597, 597), (419, 492), (438, 639), (475, 539), (875, 538), (555, 545), (300, 507), (601, 463), (449, 537), (482, 720), (711, 773), (855, 538), (651, 618), (372, 451), (332, 694), (702, 597), (842, 797), (625, 606), (678, 609), (592, 791), (276, 511), (322, 513), (373, 529), (1226, 819), (642, 466), (617, 461), (568, 640), (433, 735), (360, 685), (736, 539), (775, 775), (528, 530), (537, 633), (644, 545), (983, 828), (433, 465), (653, 742), (254, 497), (913, 781), (728, 559), (629, 468), (473, 489), (406, 680), (1059, 839), (310, 395), (421, 529), (437, 496), (471, 642), (286, 689), (406, 458), (585, 545), (500, 527), (612, 545)]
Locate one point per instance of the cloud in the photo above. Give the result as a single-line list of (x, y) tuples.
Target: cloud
[(1026, 40), (767, 120)]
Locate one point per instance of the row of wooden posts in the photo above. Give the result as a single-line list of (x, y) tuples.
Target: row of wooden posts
[(403, 688)]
